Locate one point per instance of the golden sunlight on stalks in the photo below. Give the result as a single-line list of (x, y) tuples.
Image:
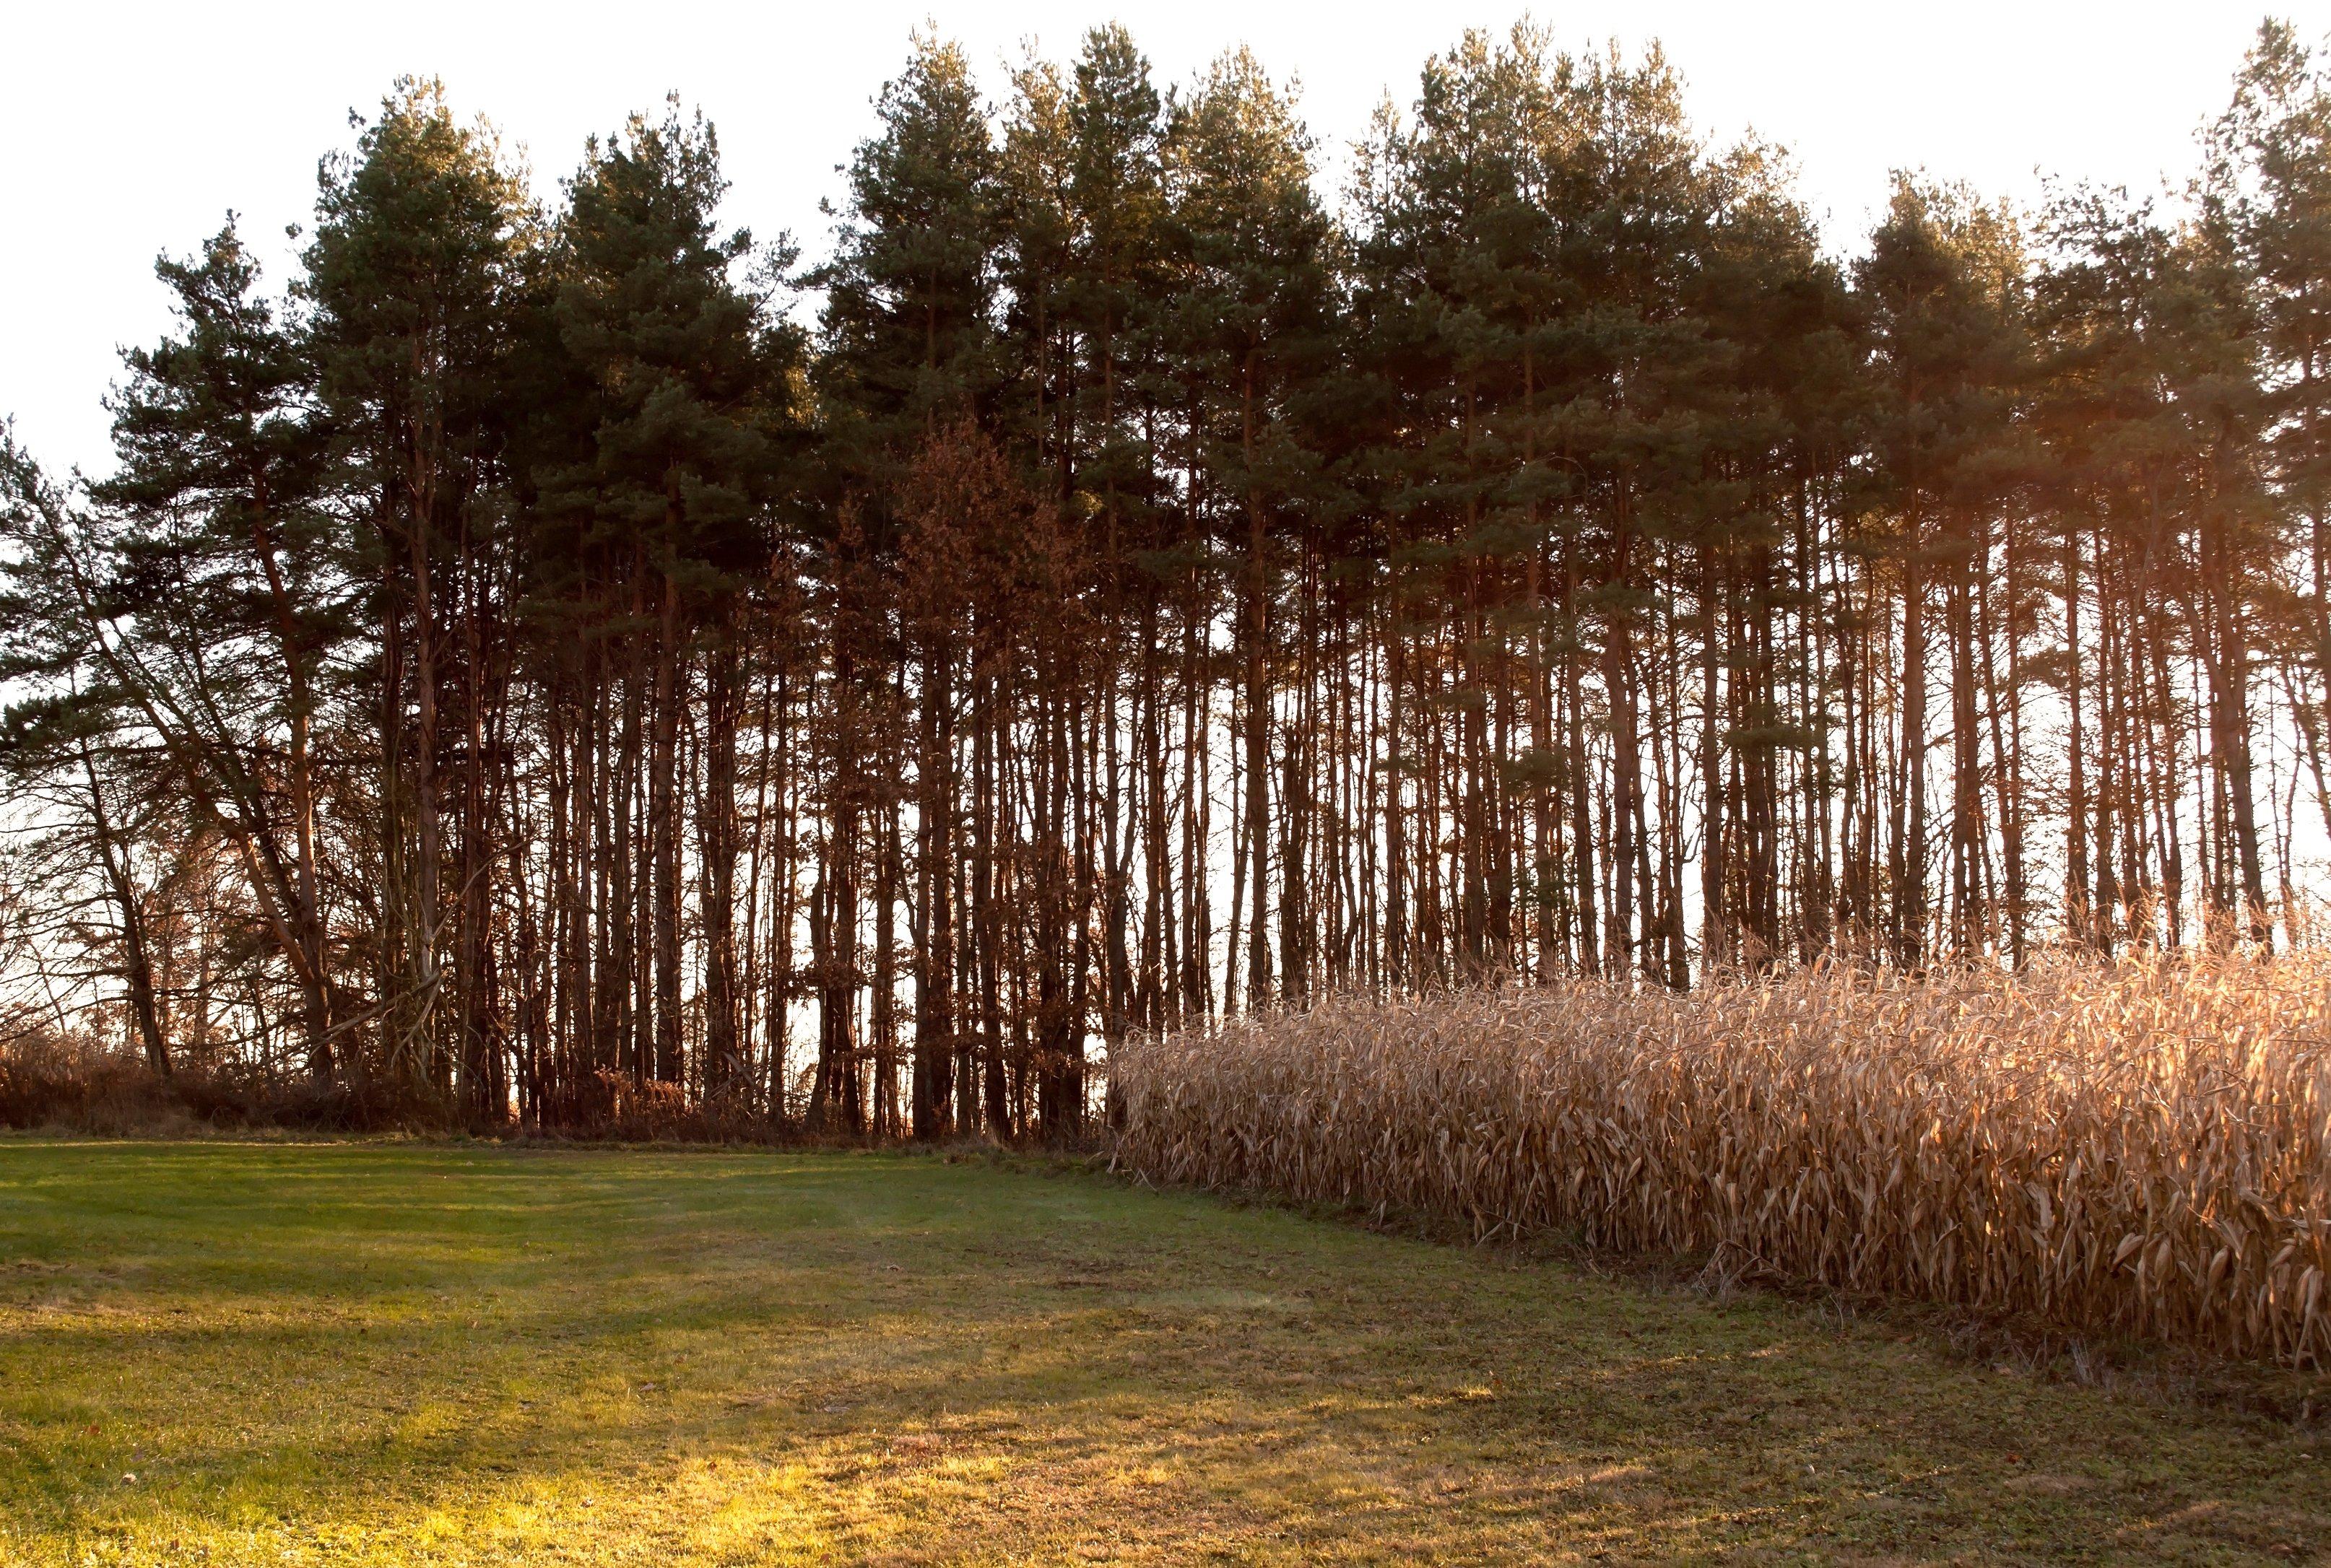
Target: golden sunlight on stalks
[(2144, 1149)]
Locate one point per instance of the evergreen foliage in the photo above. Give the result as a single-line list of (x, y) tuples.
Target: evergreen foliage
[(528, 669)]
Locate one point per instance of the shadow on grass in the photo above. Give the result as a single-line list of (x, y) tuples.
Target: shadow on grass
[(788, 1354)]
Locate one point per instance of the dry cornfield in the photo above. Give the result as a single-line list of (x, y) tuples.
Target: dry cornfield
[(2139, 1149)]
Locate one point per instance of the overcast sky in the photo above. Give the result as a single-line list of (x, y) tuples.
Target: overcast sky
[(131, 129)]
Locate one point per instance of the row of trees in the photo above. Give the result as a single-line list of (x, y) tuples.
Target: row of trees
[(521, 671)]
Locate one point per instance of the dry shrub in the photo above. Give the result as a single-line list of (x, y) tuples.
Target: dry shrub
[(75, 1086), (79, 1087), (44, 1084), (2142, 1149), (599, 1104)]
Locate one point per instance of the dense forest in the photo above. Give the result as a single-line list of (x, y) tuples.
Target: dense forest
[(569, 662)]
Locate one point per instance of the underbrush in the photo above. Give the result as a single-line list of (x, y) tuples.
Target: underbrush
[(2139, 1150), (113, 1095)]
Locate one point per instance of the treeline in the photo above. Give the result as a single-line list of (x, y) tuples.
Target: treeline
[(530, 668)]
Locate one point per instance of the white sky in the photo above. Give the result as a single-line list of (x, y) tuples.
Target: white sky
[(133, 127)]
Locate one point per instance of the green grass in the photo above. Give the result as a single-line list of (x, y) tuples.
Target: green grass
[(409, 1353)]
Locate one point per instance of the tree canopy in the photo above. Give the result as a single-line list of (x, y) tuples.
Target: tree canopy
[(565, 661)]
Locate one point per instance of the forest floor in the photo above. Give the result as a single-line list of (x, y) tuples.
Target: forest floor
[(384, 1353)]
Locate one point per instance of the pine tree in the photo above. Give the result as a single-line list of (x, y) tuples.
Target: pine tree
[(409, 280), (1255, 319), (907, 352)]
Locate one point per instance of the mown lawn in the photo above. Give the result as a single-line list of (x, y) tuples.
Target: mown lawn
[(409, 1353)]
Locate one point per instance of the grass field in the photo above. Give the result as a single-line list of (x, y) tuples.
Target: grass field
[(410, 1353)]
